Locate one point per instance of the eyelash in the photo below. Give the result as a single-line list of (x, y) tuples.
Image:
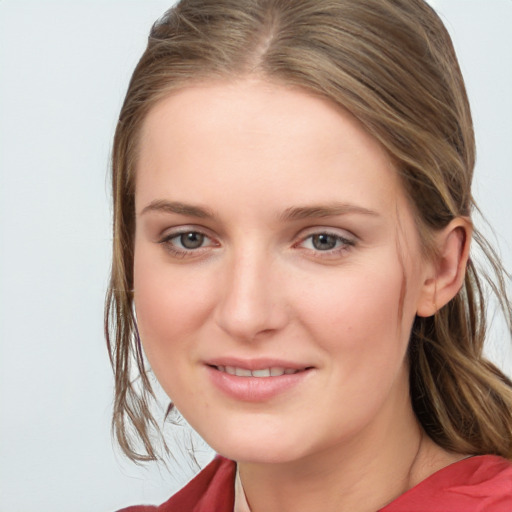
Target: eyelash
[(166, 241), (343, 244)]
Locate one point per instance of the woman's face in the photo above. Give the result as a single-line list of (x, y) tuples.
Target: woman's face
[(277, 270)]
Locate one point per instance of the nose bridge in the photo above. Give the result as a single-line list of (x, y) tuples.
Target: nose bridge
[(251, 300)]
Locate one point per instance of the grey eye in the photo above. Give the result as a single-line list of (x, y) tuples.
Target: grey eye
[(324, 241), (191, 240)]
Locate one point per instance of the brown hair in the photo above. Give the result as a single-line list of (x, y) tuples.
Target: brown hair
[(390, 63)]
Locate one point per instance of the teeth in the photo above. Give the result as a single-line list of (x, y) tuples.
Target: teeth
[(265, 372), (261, 373)]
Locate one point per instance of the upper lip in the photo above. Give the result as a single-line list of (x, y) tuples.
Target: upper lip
[(256, 364)]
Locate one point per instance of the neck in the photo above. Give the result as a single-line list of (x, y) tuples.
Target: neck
[(387, 461)]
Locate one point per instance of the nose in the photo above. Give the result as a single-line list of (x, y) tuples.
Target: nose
[(252, 301)]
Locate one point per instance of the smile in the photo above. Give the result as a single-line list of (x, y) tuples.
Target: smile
[(264, 372), (256, 380)]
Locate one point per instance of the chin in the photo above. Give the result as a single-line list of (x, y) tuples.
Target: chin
[(261, 447)]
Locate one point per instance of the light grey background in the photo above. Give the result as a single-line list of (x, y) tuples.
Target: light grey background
[(64, 67)]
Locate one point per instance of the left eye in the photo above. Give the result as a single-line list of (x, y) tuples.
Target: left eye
[(325, 242)]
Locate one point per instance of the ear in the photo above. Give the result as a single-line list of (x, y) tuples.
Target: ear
[(448, 269)]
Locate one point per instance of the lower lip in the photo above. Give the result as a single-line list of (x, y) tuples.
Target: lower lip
[(255, 389)]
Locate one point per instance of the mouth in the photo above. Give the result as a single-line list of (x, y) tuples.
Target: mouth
[(257, 381), (274, 371)]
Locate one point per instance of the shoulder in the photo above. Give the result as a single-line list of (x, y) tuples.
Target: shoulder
[(477, 484), (212, 487)]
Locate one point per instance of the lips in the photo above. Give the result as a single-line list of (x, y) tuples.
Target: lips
[(256, 380)]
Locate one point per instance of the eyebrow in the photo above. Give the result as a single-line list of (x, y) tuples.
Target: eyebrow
[(330, 210), (290, 214), (161, 205)]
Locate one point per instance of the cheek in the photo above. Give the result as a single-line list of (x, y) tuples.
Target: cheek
[(356, 316), (170, 309)]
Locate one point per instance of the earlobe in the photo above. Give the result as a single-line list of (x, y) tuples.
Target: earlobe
[(449, 267)]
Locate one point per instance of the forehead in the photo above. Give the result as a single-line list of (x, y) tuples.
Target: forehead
[(251, 137), (213, 109)]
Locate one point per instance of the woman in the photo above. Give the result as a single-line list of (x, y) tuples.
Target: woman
[(292, 226)]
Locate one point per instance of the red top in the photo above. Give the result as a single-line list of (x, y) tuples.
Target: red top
[(477, 484)]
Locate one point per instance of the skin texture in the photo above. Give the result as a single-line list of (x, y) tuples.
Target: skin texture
[(270, 167)]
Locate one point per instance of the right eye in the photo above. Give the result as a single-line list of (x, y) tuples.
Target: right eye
[(190, 240), (186, 242)]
